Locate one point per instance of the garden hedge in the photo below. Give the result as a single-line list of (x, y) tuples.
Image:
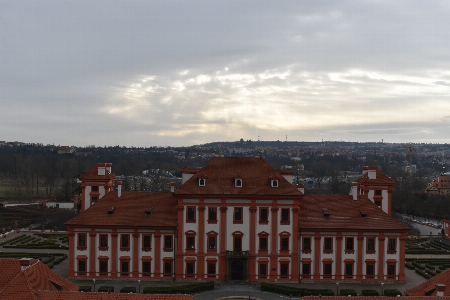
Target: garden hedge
[(348, 292), (392, 292), (85, 288), (128, 289), (370, 293), (106, 289)]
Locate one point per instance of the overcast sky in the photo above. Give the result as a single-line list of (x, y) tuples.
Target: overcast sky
[(179, 73)]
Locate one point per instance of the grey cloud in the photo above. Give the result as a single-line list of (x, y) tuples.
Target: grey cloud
[(67, 65)]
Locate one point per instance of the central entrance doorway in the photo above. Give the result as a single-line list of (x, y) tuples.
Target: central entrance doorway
[(237, 270)]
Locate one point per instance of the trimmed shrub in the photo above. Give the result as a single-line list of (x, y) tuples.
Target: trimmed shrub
[(423, 274), (370, 293), (418, 266), (128, 289), (409, 266), (392, 292), (85, 288), (106, 289), (347, 292)]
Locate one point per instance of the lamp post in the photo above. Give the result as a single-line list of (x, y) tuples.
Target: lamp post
[(94, 283), (139, 282), (337, 288), (382, 288)]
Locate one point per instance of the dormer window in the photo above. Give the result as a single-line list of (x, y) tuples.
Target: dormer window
[(274, 183), (201, 182), (326, 213), (238, 182)]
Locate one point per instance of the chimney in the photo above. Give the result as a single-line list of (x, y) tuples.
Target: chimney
[(440, 289), (119, 189), (25, 263), (101, 170), (371, 171), (355, 190), (172, 187), (301, 188)]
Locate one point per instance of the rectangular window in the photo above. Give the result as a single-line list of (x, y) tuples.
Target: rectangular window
[(378, 203), (168, 268), (103, 267), (81, 266), (391, 245), (263, 215), (370, 270), (125, 241), (371, 245), (146, 243), (167, 242), (238, 214), (211, 243), (212, 214), (124, 268), (237, 244), (211, 269), (349, 244), (285, 243), (190, 242), (328, 245), (94, 200), (285, 215), (284, 269), (349, 270), (306, 270), (190, 269), (146, 268), (327, 270), (82, 240), (95, 188), (378, 192), (190, 214), (391, 270), (263, 243), (103, 241), (307, 244), (263, 270)]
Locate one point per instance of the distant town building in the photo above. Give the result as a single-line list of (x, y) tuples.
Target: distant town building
[(65, 150), (440, 185)]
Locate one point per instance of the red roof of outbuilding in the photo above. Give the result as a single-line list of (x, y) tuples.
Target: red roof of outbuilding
[(130, 210), (254, 172), (344, 213), (428, 287), (16, 283)]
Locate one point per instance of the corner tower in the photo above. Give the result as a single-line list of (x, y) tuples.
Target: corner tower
[(376, 186), (95, 184)]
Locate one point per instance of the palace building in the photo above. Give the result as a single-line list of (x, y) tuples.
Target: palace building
[(237, 219)]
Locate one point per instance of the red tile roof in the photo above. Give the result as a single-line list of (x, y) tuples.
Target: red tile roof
[(380, 178), (92, 174), (46, 295), (428, 287), (221, 171), (16, 283), (344, 213), (130, 210)]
